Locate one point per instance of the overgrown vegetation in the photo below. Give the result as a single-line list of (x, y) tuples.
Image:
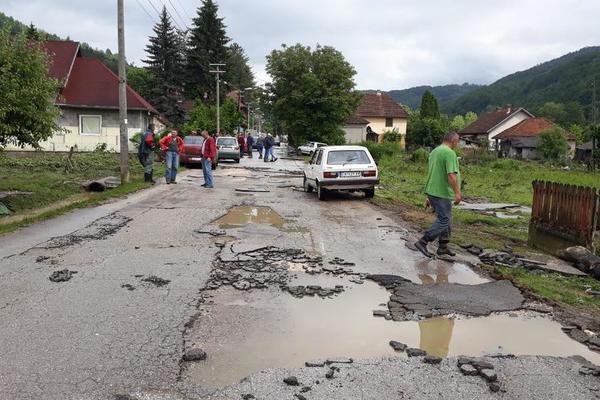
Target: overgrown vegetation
[(50, 179)]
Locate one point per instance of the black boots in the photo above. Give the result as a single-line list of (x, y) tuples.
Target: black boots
[(421, 245), (148, 178), (445, 251)]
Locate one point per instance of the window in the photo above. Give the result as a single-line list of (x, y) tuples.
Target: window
[(228, 141), (389, 122), (193, 139), (90, 124), (319, 157), (343, 157), (314, 157)]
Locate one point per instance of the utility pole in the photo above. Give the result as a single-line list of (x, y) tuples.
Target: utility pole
[(594, 125), (218, 73), (124, 137)]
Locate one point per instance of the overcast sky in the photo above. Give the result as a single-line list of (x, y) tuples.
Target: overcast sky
[(393, 44)]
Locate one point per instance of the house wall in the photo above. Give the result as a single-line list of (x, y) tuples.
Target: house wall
[(355, 133), (526, 148), (110, 130), (509, 123), (378, 126)]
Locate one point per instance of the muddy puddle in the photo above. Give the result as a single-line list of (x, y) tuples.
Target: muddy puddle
[(240, 216), (431, 272), (245, 332)]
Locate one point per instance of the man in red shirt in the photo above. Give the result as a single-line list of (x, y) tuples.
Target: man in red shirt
[(242, 143), (209, 155), (172, 145)]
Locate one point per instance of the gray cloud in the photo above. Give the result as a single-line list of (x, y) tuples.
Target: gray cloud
[(392, 43)]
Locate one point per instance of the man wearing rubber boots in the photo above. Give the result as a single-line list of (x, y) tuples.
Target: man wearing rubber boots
[(146, 153), (443, 188)]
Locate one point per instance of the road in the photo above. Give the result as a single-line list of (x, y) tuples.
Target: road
[(260, 276)]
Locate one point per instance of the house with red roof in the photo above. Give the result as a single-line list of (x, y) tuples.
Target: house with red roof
[(377, 113), (491, 124), (521, 140), (88, 98)]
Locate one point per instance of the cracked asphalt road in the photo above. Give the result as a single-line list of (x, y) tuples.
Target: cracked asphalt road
[(120, 325)]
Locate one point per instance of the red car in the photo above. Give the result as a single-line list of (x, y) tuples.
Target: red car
[(192, 150)]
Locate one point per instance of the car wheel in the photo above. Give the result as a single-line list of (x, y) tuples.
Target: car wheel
[(307, 187), (321, 193), (237, 160), (370, 193)]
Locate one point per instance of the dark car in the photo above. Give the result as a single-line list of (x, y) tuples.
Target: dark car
[(192, 150)]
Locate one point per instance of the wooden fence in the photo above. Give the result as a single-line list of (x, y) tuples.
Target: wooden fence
[(566, 211)]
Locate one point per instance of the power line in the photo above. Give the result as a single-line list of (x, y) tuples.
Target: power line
[(170, 16), (184, 9), (177, 12), (146, 11)]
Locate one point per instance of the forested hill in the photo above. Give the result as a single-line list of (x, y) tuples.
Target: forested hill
[(562, 80), (106, 56), (446, 93)]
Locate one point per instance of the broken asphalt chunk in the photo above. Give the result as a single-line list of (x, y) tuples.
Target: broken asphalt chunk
[(62, 276), (432, 359), (194, 354), (412, 352), (468, 370), (397, 346), (291, 381), (155, 280), (488, 374)]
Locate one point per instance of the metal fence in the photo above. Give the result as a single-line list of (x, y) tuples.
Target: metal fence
[(568, 211)]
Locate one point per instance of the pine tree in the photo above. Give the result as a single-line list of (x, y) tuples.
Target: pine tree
[(429, 106), (165, 64), (32, 33), (207, 44), (239, 72)]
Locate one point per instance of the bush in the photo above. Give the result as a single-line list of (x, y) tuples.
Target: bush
[(478, 155), (420, 155), (553, 144), (380, 150), (392, 136)]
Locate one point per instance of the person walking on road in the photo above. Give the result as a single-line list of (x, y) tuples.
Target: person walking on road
[(249, 144), (172, 145), (442, 188), (259, 147), (241, 143), (146, 153), (269, 143), (209, 155)]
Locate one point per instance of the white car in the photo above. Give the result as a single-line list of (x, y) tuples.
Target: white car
[(310, 147), (342, 168)]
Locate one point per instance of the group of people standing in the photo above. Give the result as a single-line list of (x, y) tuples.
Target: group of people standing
[(247, 143), (172, 146)]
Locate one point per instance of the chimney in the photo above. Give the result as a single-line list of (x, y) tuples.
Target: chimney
[(508, 108)]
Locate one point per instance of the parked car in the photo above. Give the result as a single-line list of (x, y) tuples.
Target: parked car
[(228, 149), (341, 168), (192, 150), (310, 147)]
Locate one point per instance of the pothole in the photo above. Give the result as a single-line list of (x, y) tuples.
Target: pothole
[(239, 216), (245, 332)]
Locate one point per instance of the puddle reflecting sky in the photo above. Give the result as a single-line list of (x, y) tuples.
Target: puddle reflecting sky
[(244, 215), (269, 329)]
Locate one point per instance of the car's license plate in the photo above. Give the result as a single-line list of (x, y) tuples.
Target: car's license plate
[(196, 158), (353, 174)]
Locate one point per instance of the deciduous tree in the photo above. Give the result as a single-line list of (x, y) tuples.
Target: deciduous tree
[(312, 92), (27, 112), (553, 143)]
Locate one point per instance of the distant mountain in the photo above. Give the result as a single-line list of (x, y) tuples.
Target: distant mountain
[(412, 97), (565, 79), (106, 56)]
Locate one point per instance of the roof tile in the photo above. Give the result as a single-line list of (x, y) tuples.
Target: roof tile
[(379, 105)]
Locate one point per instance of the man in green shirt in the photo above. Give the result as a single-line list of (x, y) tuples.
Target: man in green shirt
[(442, 188)]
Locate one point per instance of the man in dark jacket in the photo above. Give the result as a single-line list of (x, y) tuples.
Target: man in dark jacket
[(146, 153), (249, 144), (209, 155), (259, 147), (269, 143)]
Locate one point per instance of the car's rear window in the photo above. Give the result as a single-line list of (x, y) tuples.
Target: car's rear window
[(193, 140), (227, 141), (341, 157)]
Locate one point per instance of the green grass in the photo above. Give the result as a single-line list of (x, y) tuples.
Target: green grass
[(555, 287), (44, 175)]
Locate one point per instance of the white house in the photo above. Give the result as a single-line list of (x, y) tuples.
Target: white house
[(491, 124)]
